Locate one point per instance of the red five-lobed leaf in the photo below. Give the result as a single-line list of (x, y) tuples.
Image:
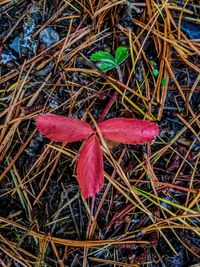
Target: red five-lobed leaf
[(63, 129), (128, 131), (90, 167)]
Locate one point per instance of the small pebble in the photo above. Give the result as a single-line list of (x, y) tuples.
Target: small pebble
[(48, 36)]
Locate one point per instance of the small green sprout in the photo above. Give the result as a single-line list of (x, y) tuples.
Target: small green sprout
[(155, 74), (105, 61), (163, 81)]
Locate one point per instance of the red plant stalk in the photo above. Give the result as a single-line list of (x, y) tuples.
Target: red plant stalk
[(113, 98), (90, 161)]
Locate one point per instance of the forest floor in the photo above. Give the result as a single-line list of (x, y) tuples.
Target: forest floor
[(148, 214)]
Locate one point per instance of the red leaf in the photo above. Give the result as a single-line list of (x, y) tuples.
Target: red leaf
[(90, 167), (129, 131), (63, 129)]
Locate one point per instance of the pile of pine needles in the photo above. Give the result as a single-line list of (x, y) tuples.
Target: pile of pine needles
[(148, 213)]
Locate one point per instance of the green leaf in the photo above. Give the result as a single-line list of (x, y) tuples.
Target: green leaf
[(104, 66), (121, 54), (163, 81), (103, 57), (155, 72)]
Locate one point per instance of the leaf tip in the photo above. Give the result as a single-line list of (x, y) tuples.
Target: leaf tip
[(38, 122)]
